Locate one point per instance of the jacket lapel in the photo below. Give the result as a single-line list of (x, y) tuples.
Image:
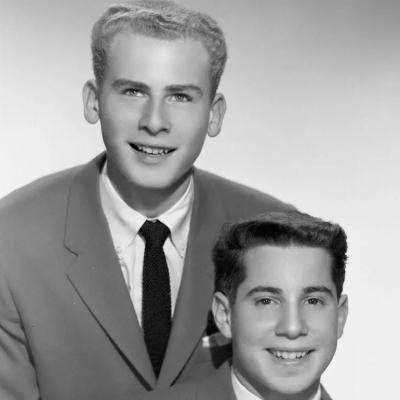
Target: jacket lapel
[(218, 386), (324, 394), (96, 274), (196, 290)]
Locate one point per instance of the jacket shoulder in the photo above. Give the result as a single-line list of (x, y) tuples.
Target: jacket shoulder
[(38, 189), (235, 194), (36, 204)]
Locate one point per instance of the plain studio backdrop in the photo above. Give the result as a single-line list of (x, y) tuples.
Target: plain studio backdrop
[(313, 92)]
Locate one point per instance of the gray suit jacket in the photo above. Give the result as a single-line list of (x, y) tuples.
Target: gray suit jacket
[(68, 329)]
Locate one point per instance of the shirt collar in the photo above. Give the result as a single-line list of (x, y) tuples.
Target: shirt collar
[(177, 218), (242, 393), (125, 222)]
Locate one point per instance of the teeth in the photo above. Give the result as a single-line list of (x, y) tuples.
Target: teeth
[(153, 151), (289, 355)]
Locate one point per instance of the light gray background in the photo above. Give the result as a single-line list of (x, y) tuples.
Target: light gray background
[(313, 93)]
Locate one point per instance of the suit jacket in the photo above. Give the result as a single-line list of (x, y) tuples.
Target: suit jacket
[(68, 329), (216, 386)]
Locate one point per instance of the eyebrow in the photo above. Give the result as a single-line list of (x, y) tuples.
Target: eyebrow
[(275, 290), (270, 289), (318, 289), (119, 83), (184, 88)]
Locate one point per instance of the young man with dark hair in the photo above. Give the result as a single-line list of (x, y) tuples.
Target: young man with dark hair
[(278, 299), (106, 277)]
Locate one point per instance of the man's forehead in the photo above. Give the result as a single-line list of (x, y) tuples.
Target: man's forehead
[(299, 266), (291, 251), (182, 56)]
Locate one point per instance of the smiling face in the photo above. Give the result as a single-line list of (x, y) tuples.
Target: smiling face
[(285, 321), (155, 111)]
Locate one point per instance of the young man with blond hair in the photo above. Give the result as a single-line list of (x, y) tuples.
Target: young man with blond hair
[(106, 277)]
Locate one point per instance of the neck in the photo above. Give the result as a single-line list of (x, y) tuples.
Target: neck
[(305, 395), (151, 202), (266, 393)]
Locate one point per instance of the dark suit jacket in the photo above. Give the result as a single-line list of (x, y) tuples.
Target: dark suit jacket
[(216, 386), (68, 329)]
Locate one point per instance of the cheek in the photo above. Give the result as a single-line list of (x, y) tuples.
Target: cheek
[(250, 329), (108, 124), (193, 125), (116, 113), (324, 327), (117, 126), (191, 142)]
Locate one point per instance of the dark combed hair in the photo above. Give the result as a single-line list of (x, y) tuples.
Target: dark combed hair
[(277, 229)]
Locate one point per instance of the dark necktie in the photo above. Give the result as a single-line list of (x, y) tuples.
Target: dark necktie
[(156, 302)]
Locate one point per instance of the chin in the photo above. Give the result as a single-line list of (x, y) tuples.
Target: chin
[(286, 385), (159, 181), (297, 386)]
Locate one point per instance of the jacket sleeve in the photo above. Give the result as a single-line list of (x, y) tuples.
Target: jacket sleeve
[(17, 372)]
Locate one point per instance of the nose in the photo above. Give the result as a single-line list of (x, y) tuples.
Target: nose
[(291, 323), (154, 118)]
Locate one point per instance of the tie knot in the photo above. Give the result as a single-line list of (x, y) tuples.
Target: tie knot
[(154, 233)]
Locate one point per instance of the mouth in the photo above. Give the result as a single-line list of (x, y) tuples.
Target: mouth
[(152, 150), (289, 355)]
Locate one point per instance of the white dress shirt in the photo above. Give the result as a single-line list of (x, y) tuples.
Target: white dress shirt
[(124, 223), (242, 393)]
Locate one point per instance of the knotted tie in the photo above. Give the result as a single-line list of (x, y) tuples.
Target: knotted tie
[(156, 302)]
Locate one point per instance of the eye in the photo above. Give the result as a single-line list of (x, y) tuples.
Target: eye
[(313, 301), (132, 92), (181, 97), (265, 301)]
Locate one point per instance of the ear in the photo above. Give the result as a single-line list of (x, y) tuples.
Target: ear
[(343, 309), (222, 314), (90, 101), (217, 112)]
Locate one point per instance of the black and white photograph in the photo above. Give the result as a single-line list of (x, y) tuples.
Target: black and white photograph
[(199, 199)]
